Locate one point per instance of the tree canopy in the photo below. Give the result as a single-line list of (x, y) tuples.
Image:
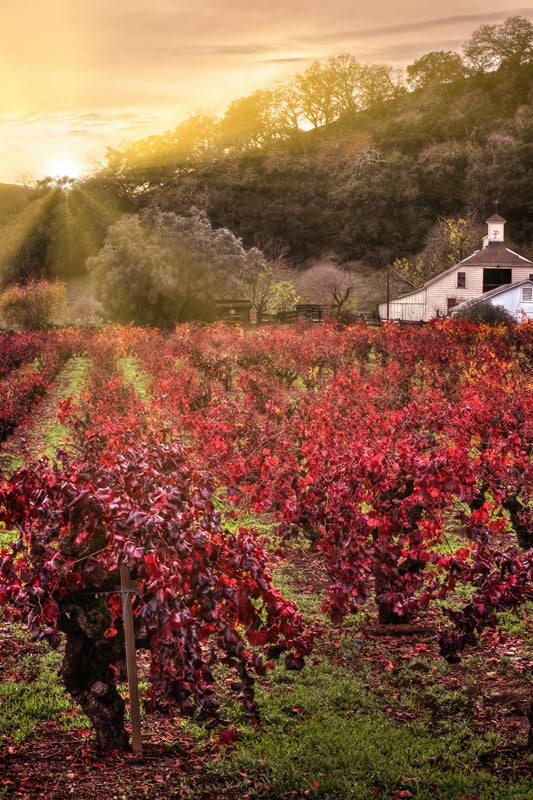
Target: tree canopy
[(449, 241), (509, 44), (159, 268), (438, 66)]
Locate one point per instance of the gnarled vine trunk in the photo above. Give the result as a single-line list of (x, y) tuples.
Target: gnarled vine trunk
[(89, 679)]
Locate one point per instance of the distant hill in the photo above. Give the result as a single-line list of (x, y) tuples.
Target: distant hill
[(48, 231), (367, 187), (361, 191)]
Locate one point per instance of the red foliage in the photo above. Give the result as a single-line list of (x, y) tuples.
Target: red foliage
[(371, 461), (29, 362), (131, 497), (373, 445)]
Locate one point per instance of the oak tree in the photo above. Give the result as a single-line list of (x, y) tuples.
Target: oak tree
[(158, 268)]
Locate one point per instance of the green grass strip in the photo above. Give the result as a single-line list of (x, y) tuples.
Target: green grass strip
[(325, 737)]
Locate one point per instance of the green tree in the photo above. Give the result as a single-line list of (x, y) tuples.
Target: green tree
[(269, 283), (283, 298), (197, 135), (436, 67), (509, 44), (449, 241), (379, 83), (159, 268), (317, 94), (379, 210), (132, 168), (344, 74), (249, 122), (287, 108)]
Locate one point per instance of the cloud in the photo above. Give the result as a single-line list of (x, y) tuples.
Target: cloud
[(457, 20), (234, 49), (405, 53), (281, 60), (75, 123), (166, 44)]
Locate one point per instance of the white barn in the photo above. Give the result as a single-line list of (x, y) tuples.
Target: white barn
[(515, 298), (487, 269)]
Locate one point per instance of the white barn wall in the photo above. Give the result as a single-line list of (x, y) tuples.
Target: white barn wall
[(510, 300), (411, 307), (441, 290), (445, 286), (432, 300)]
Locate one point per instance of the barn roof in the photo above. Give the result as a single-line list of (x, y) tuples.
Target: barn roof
[(494, 255)]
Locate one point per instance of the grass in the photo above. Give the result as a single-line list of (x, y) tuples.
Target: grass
[(513, 622), (344, 728), (10, 463), (134, 375), (71, 382), (263, 524), (31, 695), (6, 537), (327, 736), (46, 433)]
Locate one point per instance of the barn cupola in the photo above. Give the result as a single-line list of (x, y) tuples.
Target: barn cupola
[(496, 230)]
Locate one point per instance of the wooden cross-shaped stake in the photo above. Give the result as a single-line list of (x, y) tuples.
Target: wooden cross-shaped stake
[(131, 661)]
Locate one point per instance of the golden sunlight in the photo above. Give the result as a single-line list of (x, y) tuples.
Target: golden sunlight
[(63, 166)]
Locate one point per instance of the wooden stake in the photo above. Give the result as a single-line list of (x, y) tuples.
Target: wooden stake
[(388, 292), (131, 661)]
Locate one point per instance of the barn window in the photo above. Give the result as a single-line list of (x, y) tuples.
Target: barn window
[(527, 294), (461, 280)]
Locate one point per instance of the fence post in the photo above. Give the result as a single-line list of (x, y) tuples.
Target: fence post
[(131, 661)]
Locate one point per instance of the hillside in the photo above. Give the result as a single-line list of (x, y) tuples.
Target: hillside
[(49, 231), (367, 187), (362, 190)]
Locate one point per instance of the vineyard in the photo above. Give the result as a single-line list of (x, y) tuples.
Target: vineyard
[(384, 477)]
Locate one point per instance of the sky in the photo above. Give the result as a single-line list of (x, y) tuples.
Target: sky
[(78, 76)]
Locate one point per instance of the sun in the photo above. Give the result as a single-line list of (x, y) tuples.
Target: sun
[(64, 167)]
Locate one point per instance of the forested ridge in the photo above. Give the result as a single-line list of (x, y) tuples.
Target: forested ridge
[(346, 162), (370, 185)]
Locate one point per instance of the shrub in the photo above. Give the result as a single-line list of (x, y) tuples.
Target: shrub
[(487, 313), (87, 312), (34, 305)]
